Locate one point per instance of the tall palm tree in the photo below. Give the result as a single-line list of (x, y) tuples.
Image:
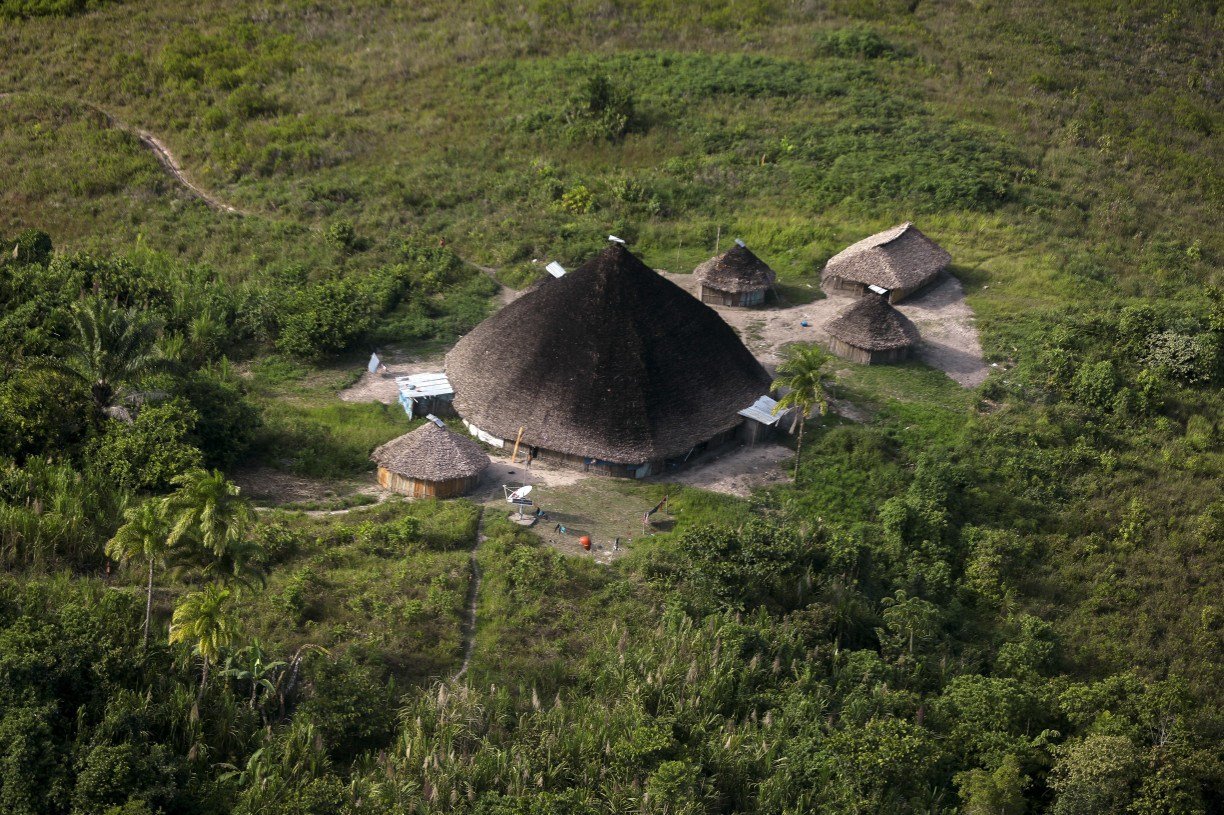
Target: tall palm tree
[(144, 536), (111, 349), (205, 620), (207, 504), (801, 373)]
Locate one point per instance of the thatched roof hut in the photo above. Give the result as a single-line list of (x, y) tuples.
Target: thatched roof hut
[(737, 277), (871, 331), (901, 259), (430, 461), (611, 367)]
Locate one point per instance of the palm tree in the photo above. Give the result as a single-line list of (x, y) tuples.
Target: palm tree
[(112, 348), (208, 505), (144, 535), (800, 372), (204, 619)]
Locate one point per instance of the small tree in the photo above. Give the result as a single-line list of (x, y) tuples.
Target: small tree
[(113, 348), (208, 505), (1000, 792), (143, 536), (204, 619), (801, 374)]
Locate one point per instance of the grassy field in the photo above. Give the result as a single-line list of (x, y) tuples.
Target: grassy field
[(797, 130)]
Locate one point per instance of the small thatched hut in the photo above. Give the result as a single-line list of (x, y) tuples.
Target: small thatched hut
[(871, 331), (737, 277), (611, 368), (901, 259), (430, 462)]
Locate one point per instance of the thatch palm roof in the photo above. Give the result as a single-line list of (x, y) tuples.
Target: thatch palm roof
[(736, 270), (872, 324), (432, 453), (611, 361), (897, 258)]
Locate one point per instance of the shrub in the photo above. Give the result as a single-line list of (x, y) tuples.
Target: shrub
[(1182, 357), (578, 200), (325, 318), (227, 421), (854, 42), (1095, 384), (152, 450), (599, 110)]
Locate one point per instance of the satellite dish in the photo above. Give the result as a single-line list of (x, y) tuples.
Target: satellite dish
[(555, 269), (435, 420), (740, 243), (615, 239), (521, 492)]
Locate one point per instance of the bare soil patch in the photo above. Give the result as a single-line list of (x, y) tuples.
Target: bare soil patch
[(265, 486), (381, 387), (737, 471)]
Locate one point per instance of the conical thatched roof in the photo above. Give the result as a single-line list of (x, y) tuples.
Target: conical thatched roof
[(611, 361), (736, 270), (872, 324), (432, 453), (897, 258)]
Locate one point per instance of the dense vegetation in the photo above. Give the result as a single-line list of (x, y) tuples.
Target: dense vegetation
[(994, 601)]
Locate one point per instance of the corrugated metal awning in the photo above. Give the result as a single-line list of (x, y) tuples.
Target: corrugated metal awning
[(415, 386), (762, 411)]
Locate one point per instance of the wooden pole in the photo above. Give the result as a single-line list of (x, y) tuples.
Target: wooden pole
[(514, 455)]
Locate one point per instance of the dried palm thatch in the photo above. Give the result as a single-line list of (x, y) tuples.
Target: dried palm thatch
[(737, 270), (611, 362), (900, 259), (432, 453), (872, 324)]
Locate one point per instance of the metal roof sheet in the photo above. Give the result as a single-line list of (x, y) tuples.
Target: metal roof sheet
[(415, 386), (762, 411)]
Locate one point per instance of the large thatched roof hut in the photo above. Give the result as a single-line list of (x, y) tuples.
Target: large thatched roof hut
[(611, 368), (871, 331), (737, 277), (431, 461), (901, 259)]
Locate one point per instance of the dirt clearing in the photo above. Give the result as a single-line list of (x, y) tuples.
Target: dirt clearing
[(949, 333)]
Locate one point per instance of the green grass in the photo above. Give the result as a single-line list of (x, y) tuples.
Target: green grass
[(798, 133), (396, 608), (307, 430)]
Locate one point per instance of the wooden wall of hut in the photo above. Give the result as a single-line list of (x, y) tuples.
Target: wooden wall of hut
[(865, 357), (753, 432), (414, 488), (717, 297), (588, 465), (641, 470), (839, 285)]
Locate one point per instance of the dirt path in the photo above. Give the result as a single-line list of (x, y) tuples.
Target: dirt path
[(161, 152), (468, 627)]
